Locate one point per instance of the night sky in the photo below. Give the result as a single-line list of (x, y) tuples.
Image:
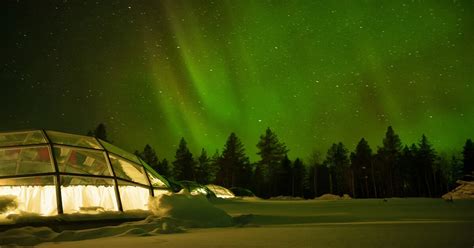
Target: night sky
[(315, 72)]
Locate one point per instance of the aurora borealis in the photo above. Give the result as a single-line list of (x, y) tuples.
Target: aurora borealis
[(316, 72)]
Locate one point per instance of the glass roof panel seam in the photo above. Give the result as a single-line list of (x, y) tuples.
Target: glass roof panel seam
[(116, 186), (147, 177), (57, 180)]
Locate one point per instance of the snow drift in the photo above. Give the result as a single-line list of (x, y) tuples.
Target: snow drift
[(8, 203), (194, 210), (464, 191), (332, 197), (172, 213)]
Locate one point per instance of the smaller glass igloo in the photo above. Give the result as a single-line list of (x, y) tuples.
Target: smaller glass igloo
[(52, 173)]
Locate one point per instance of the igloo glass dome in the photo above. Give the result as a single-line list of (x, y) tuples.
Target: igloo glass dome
[(51, 172)]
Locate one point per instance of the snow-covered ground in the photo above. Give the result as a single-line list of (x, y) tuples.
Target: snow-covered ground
[(281, 223)]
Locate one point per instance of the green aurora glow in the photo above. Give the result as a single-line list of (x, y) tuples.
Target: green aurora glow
[(315, 72)]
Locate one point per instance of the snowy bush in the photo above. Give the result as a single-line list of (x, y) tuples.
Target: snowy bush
[(8, 203)]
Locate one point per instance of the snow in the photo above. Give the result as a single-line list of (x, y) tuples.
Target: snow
[(27, 217), (281, 197), (464, 191), (195, 210), (332, 197), (7, 203), (171, 214), (281, 223)]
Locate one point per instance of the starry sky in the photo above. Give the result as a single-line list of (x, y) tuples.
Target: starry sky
[(316, 72)]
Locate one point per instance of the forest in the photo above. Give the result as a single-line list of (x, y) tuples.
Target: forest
[(392, 170)]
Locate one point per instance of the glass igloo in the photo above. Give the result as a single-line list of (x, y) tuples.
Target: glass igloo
[(51, 173)]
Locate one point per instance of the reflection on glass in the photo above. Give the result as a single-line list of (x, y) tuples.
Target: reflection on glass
[(81, 161), (25, 160), (220, 191), (22, 138), (113, 149), (73, 139), (127, 170), (155, 181)]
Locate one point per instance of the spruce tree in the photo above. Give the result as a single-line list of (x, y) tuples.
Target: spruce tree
[(164, 168), (183, 166), (214, 167), (390, 154), (468, 159), (99, 132), (338, 163), (408, 172), (361, 163), (271, 152), (426, 157), (149, 156), (203, 168), (314, 173), (234, 164), (298, 178), (285, 176)]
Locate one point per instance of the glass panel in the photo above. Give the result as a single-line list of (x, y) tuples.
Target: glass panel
[(22, 138), (88, 194), (25, 160), (128, 170), (73, 139), (220, 191), (133, 196), (33, 194), (81, 161), (155, 181), (118, 151)]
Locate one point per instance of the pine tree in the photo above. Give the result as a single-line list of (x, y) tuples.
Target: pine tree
[(298, 178), (408, 172), (443, 173), (468, 159), (425, 158), (390, 154), (338, 164), (271, 152), (164, 168), (314, 173), (183, 166), (285, 173), (214, 167), (234, 164), (99, 132), (203, 168), (149, 156), (361, 165), (456, 172)]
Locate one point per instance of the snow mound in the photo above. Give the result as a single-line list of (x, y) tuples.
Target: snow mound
[(29, 236), (331, 197), (193, 210), (282, 197), (8, 203), (464, 191), (346, 197), (172, 214)]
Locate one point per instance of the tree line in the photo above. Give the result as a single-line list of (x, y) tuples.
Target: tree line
[(392, 170)]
